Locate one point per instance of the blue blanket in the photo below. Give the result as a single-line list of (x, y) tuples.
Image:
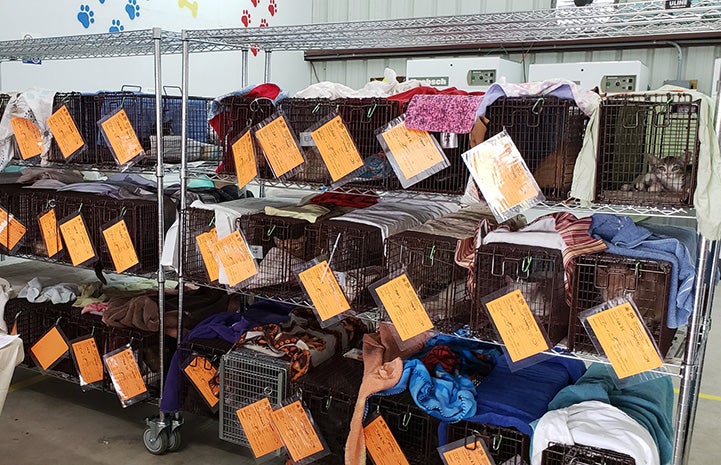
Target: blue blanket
[(624, 237)]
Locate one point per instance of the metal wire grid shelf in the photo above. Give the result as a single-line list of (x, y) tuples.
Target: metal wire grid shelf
[(637, 20)]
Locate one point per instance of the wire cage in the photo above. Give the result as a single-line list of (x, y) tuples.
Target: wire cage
[(140, 217), (415, 431), (4, 99), (601, 277), (330, 391), (442, 285), (146, 350), (357, 257), (536, 271), (83, 109), (213, 350), (504, 444), (562, 454), (648, 150), (285, 243), (238, 113), (302, 114), (197, 221), (247, 376), (548, 132)]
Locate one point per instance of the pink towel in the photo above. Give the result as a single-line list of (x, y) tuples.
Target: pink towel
[(443, 113)]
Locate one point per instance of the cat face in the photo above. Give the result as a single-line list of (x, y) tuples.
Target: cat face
[(295, 247), (671, 173)]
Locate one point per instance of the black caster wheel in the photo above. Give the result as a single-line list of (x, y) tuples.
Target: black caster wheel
[(174, 442), (156, 446)]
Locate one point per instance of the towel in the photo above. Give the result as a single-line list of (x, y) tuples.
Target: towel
[(443, 113)]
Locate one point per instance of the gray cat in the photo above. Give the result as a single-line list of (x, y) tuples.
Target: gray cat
[(668, 174), (535, 293)]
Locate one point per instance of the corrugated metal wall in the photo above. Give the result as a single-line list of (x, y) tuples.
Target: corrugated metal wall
[(662, 62)]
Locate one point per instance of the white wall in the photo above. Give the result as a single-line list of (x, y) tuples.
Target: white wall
[(698, 61), (211, 74)]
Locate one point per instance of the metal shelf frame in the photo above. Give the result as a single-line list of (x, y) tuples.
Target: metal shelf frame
[(645, 22), (153, 42)]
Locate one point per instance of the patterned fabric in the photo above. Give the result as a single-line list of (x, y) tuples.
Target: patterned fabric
[(280, 343), (443, 113), (338, 199)]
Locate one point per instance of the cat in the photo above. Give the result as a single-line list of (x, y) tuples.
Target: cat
[(612, 281), (668, 174), (295, 246), (535, 293)]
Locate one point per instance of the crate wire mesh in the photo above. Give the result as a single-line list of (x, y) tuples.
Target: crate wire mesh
[(357, 257), (83, 109), (442, 285), (213, 350), (140, 216), (503, 443), (648, 150), (285, 243), (561, 454), (604, 276), (330, 391), (537, 272), (197, 221), (35, 319), (548, 132), (247, 376), (237, 114), (415, 431)]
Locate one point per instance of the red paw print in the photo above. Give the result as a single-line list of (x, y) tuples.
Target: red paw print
[(254, 51), (255, 2), (245, 19), (263, 23), (273, 8)]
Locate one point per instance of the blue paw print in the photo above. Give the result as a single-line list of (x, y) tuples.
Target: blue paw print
[(101, 1), (85, 16), (116, 27), (133, 9)]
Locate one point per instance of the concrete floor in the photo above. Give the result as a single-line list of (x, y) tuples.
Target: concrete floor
[(46, 420)]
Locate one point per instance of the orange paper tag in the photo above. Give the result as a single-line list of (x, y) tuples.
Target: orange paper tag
[(48, 223), (257, 424), (323, 289), (206, 242), (234, 254), (337, 149), (122, 137), (470, 454), (414, 150), (65, 132), (625, 341), (28, 137), (87, 358), (124, 371), (200, 371), (244, 158), (500, 172), (381, 444), (49, 348), (404, 307), (11, 230), (296, 431), (517, 327), (75, 236), (120, 245), (279, 146)]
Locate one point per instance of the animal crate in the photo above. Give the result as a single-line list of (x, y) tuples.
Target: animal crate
[(4, 99), (302, 114), (648, 147), (146, 350), (247, 376), (601, 277), (537, 272), (197, 221), (284, 243), (84, 111), (504, 444), (562, 454), (237, 114), (357, 259), (330, 391), (212, 349), (442, 285), (415, 431), (548, 132)]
